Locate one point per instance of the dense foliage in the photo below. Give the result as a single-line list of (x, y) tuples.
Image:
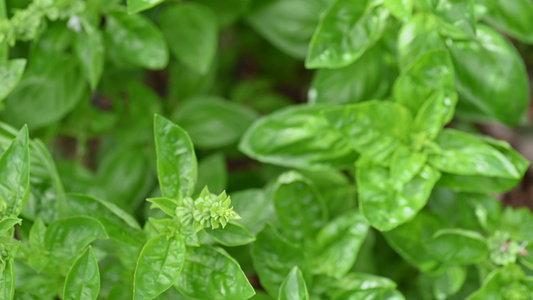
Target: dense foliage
[(125, 128)]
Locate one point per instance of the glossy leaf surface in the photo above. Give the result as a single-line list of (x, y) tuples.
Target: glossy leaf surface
[(83, 278), (10, 75), (293, 286)]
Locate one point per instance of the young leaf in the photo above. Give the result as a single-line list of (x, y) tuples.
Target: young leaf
[(15, 175), (37, 234), (83, 278), (373, 128), (177, 168), (339, 41), (293, 286), (290, 138), (273, 258), (406, 164), (210, 273), (10, 75), (7, 223), (167, 205), (479, 66), (89, 49), (135, 39), (502, 284), (191, 32), (401, 9), (300, 209), (457, 246), (159, 265), (136, 6), (417, 37), (232, 235), (66, 237), (514, 18), (7, 280)]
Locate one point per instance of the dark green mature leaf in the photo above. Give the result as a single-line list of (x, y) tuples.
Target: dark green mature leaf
[(345, 32), (233, 234), (210, 273), (297, 137), (300, 208), (15, 175), (212, 173), (374, 128), (457, 246), (83, 278), (10, 75), (7, 280), (463, 154), (177, 168), (191, 32), (66, 237), (431, 71), (445, 283), (159, 265), (417, 37), (514, 18), (480, 65), (213, 122), (89, 49), (337, 244), (273, 258), (401, 9), (367, 78), (136, 40), (288, 24), (408, 240), (293, 286), (136, 6)]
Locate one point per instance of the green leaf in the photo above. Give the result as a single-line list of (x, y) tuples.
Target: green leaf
[(479, 66), (337, 244), (463, 154), (345, 32), (254, 207), (83, 278), (293, 286), (300, 209), (367, 78), (373, 128), (297, 137), (37, 234), (287, 24), (518, 223), (375, 294), (4, 46), (177, 168), (8, 223), (210, 273), (212, 173), (159, 265), (445, 283), (431, 71), (504, 283), (273, 258), (514, 18), (408, 240), (417, 37), (136, 6), (191, 32), (136, 40), (232, 235), (7, 280), (457, 246), (66, 237), (167, 205), (10, 75), (213, 122), (406, 165), (457, 18), (401, 9), (89, 50), (15, 175)]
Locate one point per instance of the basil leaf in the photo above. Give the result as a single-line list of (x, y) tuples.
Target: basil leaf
[(177, 168), (191, 33), (339, 41), (443, 283), (4, 46), (513, 17), (210, 273), (293, 286), (401, 9), (479, 65), (300, 209), (37, 234), (457, 246), (273, 258), (287, 24), (167, 205), (458, 19), (369, 77), (7, 223), (517, 222), (7, 280), (504, 283), (406, 165), (89, 50), (136, 40), (212, 173), (254, 207), (233, 234), (417, 37), (10, 74), (158, 267), (290, 137), (83, 278), (136, 6), (374, 128), (337, 244)]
